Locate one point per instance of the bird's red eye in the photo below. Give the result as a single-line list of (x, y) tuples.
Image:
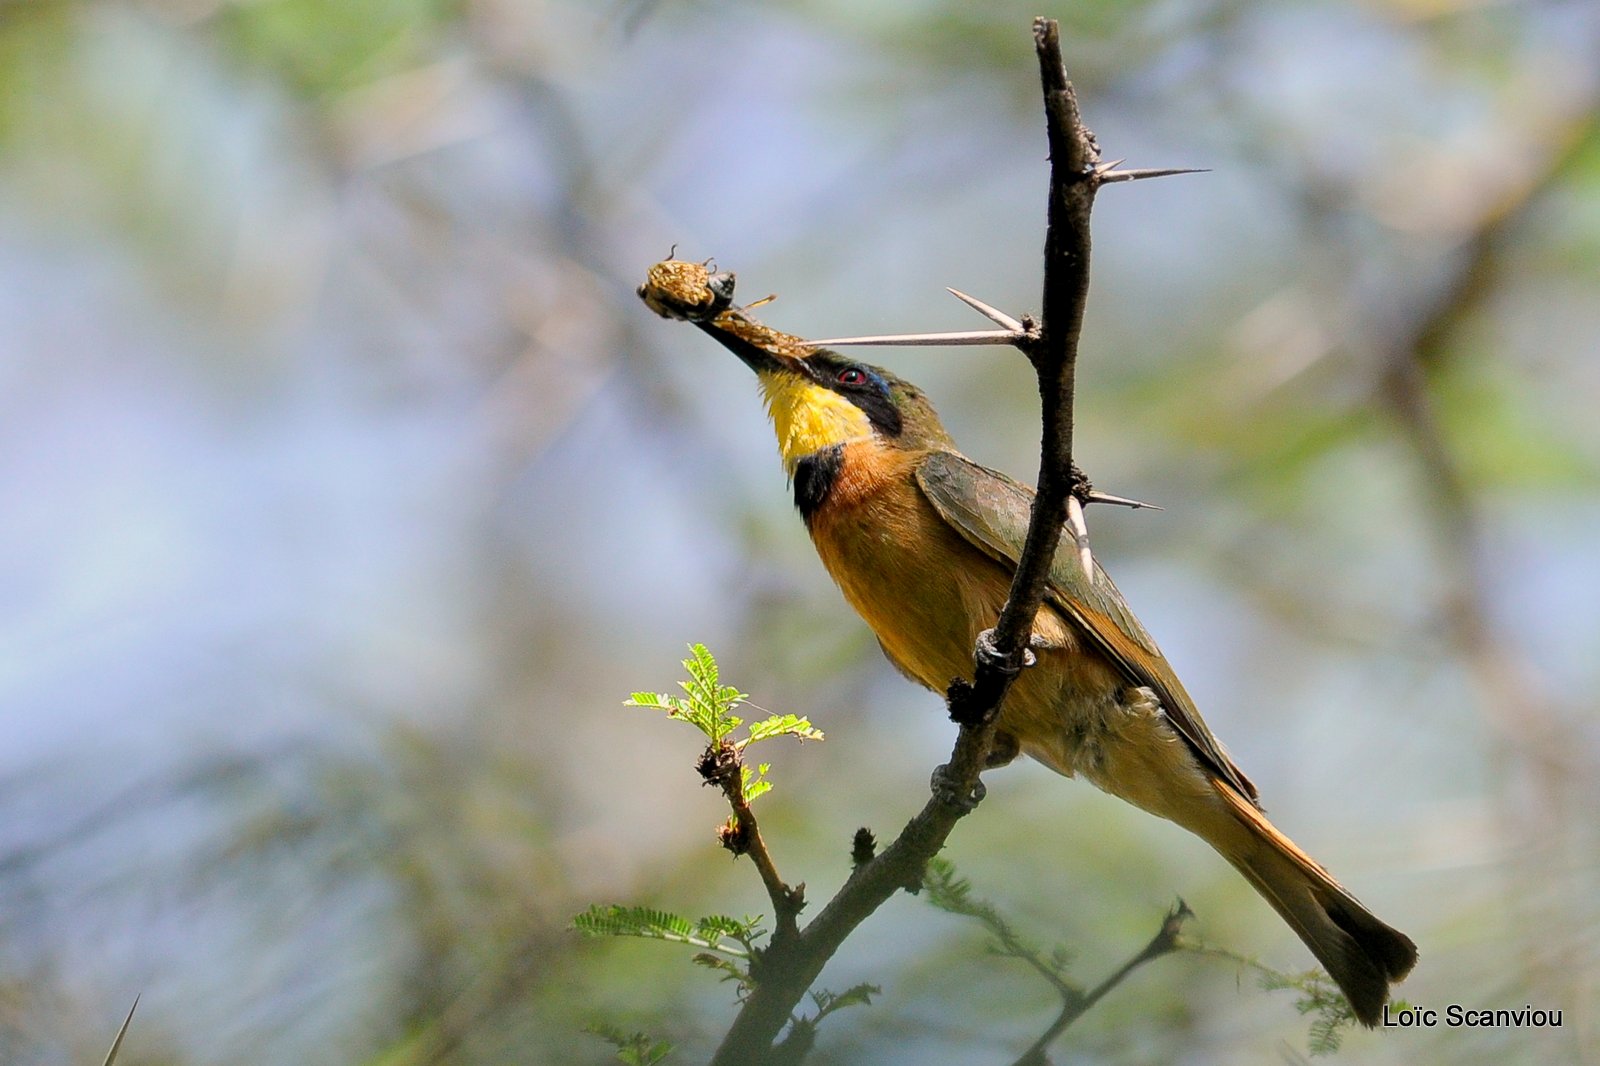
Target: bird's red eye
[(850, 376)]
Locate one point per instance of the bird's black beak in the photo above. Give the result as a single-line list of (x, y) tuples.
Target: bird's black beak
[(754, 348)]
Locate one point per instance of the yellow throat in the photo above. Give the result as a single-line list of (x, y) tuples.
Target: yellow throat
[(808, 417)]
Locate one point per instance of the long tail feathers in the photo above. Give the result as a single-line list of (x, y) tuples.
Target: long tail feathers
[(1361, 953)]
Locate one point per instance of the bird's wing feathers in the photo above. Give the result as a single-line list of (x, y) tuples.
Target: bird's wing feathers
[(992, 512)]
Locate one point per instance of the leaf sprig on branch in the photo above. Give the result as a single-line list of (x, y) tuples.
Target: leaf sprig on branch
[(708, 705), (633, 1049), (1317, 997), (734, 937)]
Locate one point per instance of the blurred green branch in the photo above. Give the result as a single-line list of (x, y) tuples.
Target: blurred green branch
[(948, 892), (1319, 996), (1531, 723), (634, 1049)]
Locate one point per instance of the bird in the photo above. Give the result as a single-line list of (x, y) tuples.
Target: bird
[(923, 542)]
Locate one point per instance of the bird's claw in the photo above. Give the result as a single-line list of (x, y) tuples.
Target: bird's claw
[(949, 792), (988, 655)]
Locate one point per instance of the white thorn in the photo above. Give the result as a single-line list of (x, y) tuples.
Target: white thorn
[(912, 339), (993, 314), (1107, 177), (1121, 501), (116, 1045), (1080, 536)]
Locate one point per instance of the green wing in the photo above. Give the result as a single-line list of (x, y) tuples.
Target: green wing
[(992, 511)]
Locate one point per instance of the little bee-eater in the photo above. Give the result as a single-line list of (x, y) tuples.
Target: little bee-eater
[(923, 543)]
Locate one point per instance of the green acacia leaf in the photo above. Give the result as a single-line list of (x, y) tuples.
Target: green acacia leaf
[(855, 996), (730, 970), (617, 920), (712, 932), (753, 783), (716, 925), (658, 701), (634, 1049), (780, 725)]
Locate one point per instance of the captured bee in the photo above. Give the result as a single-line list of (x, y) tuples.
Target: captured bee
[(691, 292)]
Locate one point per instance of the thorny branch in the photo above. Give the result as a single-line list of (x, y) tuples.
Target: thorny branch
[(791, 964), (1074, 179)]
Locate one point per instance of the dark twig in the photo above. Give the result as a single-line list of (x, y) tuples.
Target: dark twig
[(1074, 156), (723, 765), (1077, 1003), (789, 968), (953, 895)]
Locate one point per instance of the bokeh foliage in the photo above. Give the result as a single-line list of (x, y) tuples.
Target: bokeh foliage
[(351, 490)]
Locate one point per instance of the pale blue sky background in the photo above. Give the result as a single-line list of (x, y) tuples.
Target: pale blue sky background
[(350, 490)]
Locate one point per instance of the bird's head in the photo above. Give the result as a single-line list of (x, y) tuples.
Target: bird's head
[(823, 398), (817, 398)]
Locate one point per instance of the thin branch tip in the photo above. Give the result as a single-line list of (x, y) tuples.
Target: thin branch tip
[(1077, 1004)]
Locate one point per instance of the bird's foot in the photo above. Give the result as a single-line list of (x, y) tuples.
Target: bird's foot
[(988, 655), (950, 792)]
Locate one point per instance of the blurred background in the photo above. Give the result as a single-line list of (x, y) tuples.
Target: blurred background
[(349, 490)]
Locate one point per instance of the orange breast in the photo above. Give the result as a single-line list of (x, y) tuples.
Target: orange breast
[(922, 587), (927, 593)]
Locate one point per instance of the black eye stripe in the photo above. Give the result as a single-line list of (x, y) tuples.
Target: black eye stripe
[(865, 387)]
